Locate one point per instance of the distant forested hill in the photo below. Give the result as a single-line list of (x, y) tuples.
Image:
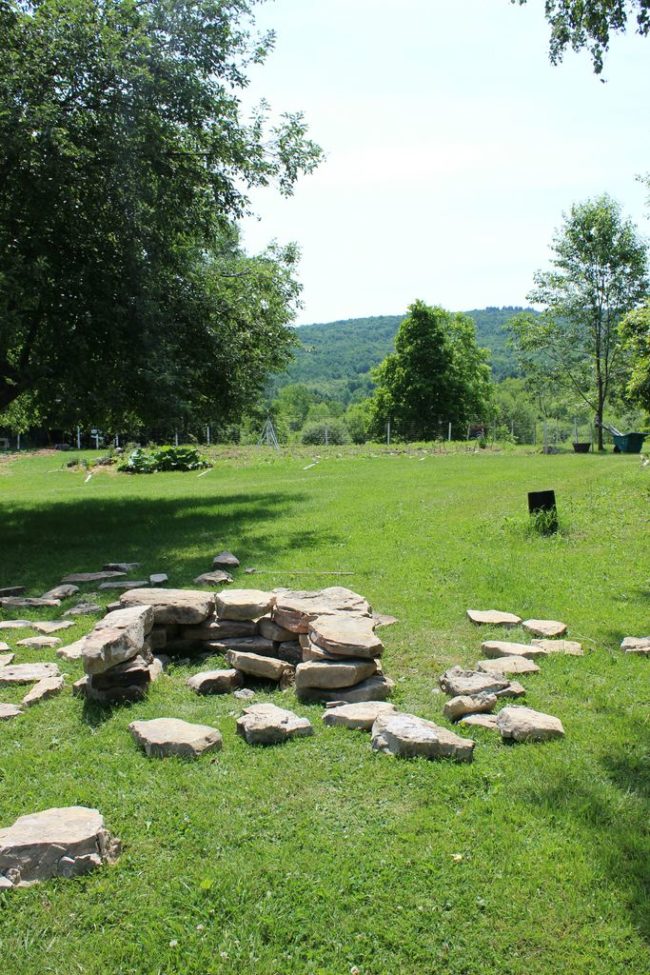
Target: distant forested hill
[(335, 358)]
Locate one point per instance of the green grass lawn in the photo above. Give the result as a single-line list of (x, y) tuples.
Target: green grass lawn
[(319, 856)]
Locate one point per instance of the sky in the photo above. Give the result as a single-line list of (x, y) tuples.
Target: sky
[(453, 148)]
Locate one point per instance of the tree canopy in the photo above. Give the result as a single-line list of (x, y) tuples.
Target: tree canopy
[(589, 24), (125, 161)]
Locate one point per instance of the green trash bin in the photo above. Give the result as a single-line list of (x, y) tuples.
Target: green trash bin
[(629, 443)]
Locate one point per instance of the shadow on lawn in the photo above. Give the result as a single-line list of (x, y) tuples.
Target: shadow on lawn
[(179, 536)]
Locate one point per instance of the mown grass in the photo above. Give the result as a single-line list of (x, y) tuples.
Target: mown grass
[(320, 856)]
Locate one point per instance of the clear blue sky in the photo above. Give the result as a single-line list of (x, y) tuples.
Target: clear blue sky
[(453, 148)]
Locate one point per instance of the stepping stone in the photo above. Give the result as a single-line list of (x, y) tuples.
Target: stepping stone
[(116, 638), (636, 645), (27, 673), (243, 604), (524, 724), (63, 842), (220, 630), (546, 628), (26, 602), (217, 578), (408, 736), (39, 642), (268, 628), (493, 617), (8, 711), (83, 577), (383, 619), (501, 648), (53, 626), (121, 566), (158, 579), (481, 721), (359, 717), (375, 688), (73, 651), (464, 704), (162, 737), (330, 674), (225, 561), (508, 665), (514, 689), (297, 610), (5, 658), (12, 591), (135, 584), (571, 647), (267, 724), (215, 681), (346, 636), (458, 682), (63, 591), (48, 687), (186, 607), (84, 609), (267, 668), (16, 625)]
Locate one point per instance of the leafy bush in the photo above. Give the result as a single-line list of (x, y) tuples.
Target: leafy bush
[(164, 459), (325, 432)]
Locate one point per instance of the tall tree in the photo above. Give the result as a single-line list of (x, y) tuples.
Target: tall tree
[(635, 332), (590, 23), (599, 273), (124, 162), (437, 372)]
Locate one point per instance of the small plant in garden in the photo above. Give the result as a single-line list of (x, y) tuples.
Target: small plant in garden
[(168, 458)]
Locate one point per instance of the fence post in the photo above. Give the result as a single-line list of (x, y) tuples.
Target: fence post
[(207, 434), (388, 434), (176, 437), (78, 438), (449, 432)]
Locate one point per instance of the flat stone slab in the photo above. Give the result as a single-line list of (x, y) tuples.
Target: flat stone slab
[(186, 607), (636, 645), (488, 721), (358, 717), (545, 628), (524, 724), (117, 694), (493, 617), (267, 668), (27, 673), (409, 736), (8, 711), (53, 626), (508, 665), (330, 674), (125, 584), (297, 610), (84, 609), (247, 644), (267, 724), (458, 682), (48, 687), (82, 577), (158, 578), (162, 737), (383, 619), (346, 636), (64, 591), (215, 681), (220, 630), (118, 637), (225, 560), (26, 602), (502, 648), (244, 604), (464, 704), (375, 688), (16, 625), (5, 658), (216, 578), (64, 842), (39, 642), (570, 647), (271, 630), (73, 651)]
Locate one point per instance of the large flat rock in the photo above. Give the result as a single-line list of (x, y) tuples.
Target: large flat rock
[(458, 682), (16, 625), (267, 668), (636, 645), (508, 665), (358, 717), (408, 736), (48, 687), (524, 724), (39, 642), (220, 630), (267, 724), (186, 607), (493, 617), (464, 704), (27, 602), (570, 647), (27, 673), (503, 648), (346, 636), (72, 651), (6, 658), (63, 842), (268, 628), (8, 711), (330, 674), (53, 626), (215, 681), (297, 610), (83, 577), (375, 688), (118, 637), (480, 720), (244, 604), (162, 737), (545, 628), (64, 591)]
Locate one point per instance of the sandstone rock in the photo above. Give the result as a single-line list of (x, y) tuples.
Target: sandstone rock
[(546, 628), (48, 687), (267, 668), (457, 682), (245, 694), (514, 689), (269, 629), (53, 626), (121, 566), (493, 617), (158, 578), (62, 842), (39, 642), (225, 561), (130, 673), (267, 724), (501, 648), (5, 658), (118, 637), (481, 720), (524, 724), (375, 688), (383, 619), (508, 665), (8, 711), (124, 584), (27, 673), (357, 716), (571, 647), (84, 609), (408, 736), (220, 630), (247, 644), (330, 674), (464, 704), (215, 681), (64, 591), (16, 625), (218, 578), (187, 607), (296, 610), (243, 604), (73, 651), (636, 645), (161, 737), (346, 636), (111, 695), (26, 602), (83, 577), (310, 651)]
